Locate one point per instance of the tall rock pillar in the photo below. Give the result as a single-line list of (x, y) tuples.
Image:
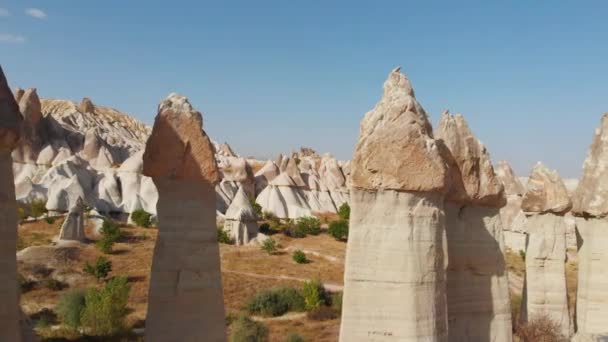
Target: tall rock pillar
[(545, 294), (394, 281), (477, 283), (10, 126), (185, 298), (590, 205)]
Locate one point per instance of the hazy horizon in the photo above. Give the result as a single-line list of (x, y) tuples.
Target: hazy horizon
[(271, 77)]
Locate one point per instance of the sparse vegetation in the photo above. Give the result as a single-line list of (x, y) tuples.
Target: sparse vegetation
[(309, 225), (53, 284), (336, 302), (106, 308), (244, 329), (21, 213), (314, 294), (265, 229), (275, 302), (50, 219), (541, 329), (339, 230), (270, 246), (110, 233), (299, 257), (344, 211), (293, 337), (70, 308), (223, 236), (295, 231), (141, 218), (100, 269), (256, 207), (515, 309), (322, 313), (37, 208), (522, 254)]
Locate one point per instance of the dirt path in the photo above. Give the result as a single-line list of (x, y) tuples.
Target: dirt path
[(328, 286)]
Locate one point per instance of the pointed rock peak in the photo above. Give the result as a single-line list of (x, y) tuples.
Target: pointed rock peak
[(546, 192), (86, 106), (30, 106), (293, 172), (240, 208), (509, 179), (591, 195), (471, 172), (10, 118), (78, 206), (396, 149), (178, 147), (225, 150), (19, 94)]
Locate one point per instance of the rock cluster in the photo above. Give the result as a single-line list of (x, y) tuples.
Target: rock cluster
[(512, 216), (394, 281), (185, 301), (545, 293), (477, 284), (241, 220)]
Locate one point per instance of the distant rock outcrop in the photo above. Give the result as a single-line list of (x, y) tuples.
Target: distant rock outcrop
[(86, 105), (73, 226), (394, 281), (185, 301), (477, 283), (591, 208), (513, 218), (241, 219)]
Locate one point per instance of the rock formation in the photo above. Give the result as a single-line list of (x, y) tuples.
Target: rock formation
[(477, 283), (73, 226), (513, 218), (284, 198), (394, 281), (10, 128), (590, 204), (241, 219), (185, 300), (86, 105), (265, 175), (545, 293)]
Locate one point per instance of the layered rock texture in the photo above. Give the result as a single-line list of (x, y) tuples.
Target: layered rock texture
[(394, 281), (477, 284), (73, 225), (185, 300), (590, 205), (513, 218), (241, 220), (10, 130), (545, 294)]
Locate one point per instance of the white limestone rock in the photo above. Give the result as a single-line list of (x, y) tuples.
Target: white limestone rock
[(241, 220), (73, 226)]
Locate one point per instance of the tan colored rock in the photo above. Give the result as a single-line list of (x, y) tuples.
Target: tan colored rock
[(509, 180), (409, 159), (30, 106), (293, 172), (591, 196), (19, 94), (73, 226), (394, 280), (185, 300), (241, 220), (477, 283), (86, 106), (546, 192), (225, 150), (10, 121)]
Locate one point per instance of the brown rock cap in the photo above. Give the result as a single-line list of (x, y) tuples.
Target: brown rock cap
[(30, 106), (86, 106), (10, 118), (178, 147), (19, 94), (591, 195), (546, 192), (396, 149), (472, 175), (509, 180)]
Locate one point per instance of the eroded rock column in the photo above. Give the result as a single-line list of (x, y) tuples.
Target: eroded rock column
[(10, 125), (394, 281), (545, 293), (477, 283), (185, 300), (590, 205)]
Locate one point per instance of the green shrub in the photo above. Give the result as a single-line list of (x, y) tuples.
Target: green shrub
[(105, 245), (269, 216), (37, 208), (344, 211), (106, 308), (50, 219), (53, 284), (265, 229), (21, 213), (223, 237), (43, 319), (270, 246), (522, 254), (141, 218), (293, 337), (310, 225), (299, 257), (256, 207), (244, 329), (70, 307), (314, 294), (275, 302), (322, 313), (111, 230), (336, 302), (101, 268), (339, 230)]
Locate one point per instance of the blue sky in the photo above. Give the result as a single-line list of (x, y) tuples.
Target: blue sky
[(270, 76)]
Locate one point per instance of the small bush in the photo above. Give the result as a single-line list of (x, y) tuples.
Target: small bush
[(256, 207), (339, 230), (295, 231), (270, 246), (336, 302), (314, 294), (101, 268), (106, 308), (141, 218), (265, 229), (293, 337), (247, 330), (223, 237), (269, 216), (541, 329), (21, 213), (105, 245), (50, 219), (275, 302), (53, 284), (111, 230), (322, 313), (309, 225), (344, 211), (37, 208), (522, 254), (299, 257), (70, 307), (43, 319)]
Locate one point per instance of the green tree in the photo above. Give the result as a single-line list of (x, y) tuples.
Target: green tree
[(70, 307), (314, 294), (339, 230), (141, 218), (344, 211), (37, 208), (106, 308)]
